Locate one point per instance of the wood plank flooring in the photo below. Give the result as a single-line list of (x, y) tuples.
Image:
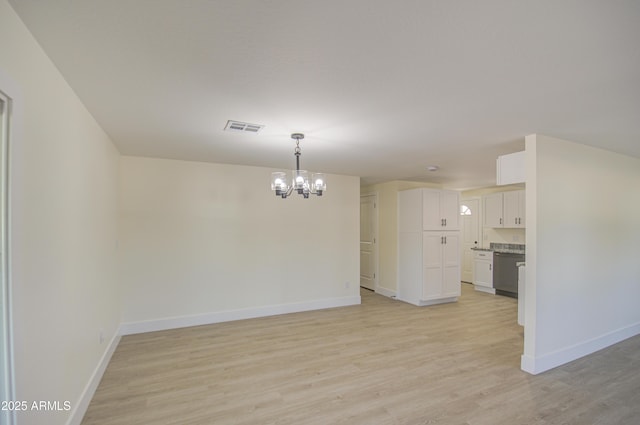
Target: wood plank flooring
[(383, 362)]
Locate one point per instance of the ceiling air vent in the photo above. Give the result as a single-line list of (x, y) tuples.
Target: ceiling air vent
[(243, 126)]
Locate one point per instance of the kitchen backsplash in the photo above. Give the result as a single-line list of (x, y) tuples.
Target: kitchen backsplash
[(508, 247)]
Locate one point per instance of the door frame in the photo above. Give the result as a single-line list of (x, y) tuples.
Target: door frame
[(480, 228), (7, 382), (376, 272)]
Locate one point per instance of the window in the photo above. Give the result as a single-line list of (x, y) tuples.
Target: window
[(465, 210)]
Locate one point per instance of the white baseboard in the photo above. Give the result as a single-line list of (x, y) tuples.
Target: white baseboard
[(535, 365), (81, 406), (425, 303), (229, 315), (386, 292), (484, 289), (528, 364)]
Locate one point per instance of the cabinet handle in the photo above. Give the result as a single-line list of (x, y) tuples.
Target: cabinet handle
[(445, 224), (500, 220), (445, 240), (490, 267)]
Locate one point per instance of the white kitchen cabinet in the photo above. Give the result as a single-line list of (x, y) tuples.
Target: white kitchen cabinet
[(441, 261), (511, 168), (441, 209), (483, 271), (493, 210), (505, 209), (514, 209), (428, 261), (428, 267)]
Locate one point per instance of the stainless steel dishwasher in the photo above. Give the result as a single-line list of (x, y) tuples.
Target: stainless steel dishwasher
[(505, 273)]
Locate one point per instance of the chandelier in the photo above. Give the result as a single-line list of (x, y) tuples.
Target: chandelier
[(300, 178)]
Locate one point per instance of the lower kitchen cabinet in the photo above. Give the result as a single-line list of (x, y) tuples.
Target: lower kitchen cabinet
[(483, 271), (428, 267)]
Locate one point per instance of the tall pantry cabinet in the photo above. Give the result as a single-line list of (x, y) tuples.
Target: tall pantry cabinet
[(428, 246)]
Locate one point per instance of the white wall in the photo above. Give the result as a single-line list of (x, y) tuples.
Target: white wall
[(583, 232), (201, 243), (63, 208)]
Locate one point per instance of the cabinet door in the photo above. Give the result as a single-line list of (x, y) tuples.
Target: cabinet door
[(431, 217), (451, 265), (511, 168), (432, 261), (522, 207), (441, 262), (450, 210), (493, 210), (483, 273), (441, 209), (511, 208), (451, 249), (514, 209)]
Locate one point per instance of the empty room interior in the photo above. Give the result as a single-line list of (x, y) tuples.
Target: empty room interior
[(338, 212)]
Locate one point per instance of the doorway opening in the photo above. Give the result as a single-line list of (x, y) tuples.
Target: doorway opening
[(471, 234), (368, 241)]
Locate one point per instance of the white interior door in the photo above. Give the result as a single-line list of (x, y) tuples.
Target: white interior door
[(368, 251), (470, 222)]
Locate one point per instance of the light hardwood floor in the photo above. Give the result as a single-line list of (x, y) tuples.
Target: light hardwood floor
[(383, 362)]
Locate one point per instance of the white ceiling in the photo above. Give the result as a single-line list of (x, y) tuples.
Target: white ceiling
[(381, 88)]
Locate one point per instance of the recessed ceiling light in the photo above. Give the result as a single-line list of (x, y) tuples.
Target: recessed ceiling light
[(433, 168)]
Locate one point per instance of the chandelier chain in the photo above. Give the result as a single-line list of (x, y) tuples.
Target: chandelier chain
[(300, 182)]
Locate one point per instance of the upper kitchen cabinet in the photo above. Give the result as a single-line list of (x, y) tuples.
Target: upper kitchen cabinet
[(514, 209), (441, 209), (510, 169), (493, 210), (505, 209)]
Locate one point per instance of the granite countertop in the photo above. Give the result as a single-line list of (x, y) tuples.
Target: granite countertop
[(509, 248)]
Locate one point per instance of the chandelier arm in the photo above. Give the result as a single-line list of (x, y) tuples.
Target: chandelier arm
[(300, 183)]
